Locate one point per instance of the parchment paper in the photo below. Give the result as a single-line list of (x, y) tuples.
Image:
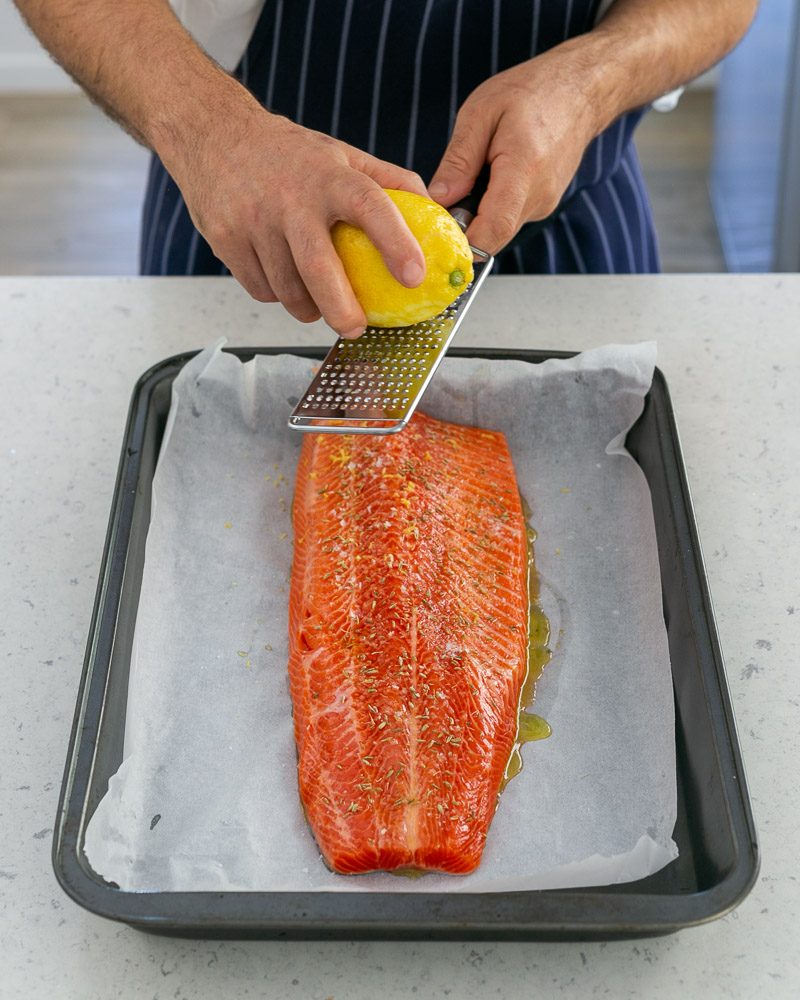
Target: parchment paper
[(206, 796)]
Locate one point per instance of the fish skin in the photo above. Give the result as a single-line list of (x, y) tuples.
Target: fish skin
[(408, 627)]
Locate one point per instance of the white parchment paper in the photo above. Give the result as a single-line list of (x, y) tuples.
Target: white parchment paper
[(206, 796)]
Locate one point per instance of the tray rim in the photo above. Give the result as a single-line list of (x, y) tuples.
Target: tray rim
[(562, 914)]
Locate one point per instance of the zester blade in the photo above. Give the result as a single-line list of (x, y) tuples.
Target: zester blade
[(372, 385)]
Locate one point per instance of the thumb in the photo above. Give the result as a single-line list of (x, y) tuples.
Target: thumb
[(462, 161)]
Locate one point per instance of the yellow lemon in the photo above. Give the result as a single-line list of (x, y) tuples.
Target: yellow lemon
[(448, 260)]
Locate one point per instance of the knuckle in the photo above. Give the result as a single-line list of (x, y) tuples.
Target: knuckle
[(504, 227), (255, 285), (262, 293), (310, 315), (394, 248), (219, 233), (547, 200), (457, 155), (290, 294), (368, 201), (465, 114), (304, 314), (316, 267), (300, 306), (537, 184), (414, 179)]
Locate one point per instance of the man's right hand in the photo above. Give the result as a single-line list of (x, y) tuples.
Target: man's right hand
[(265, 193)]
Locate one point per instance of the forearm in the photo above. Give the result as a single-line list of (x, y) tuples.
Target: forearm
[(644, 48), (533, 122), (262, 191), (136, 60)]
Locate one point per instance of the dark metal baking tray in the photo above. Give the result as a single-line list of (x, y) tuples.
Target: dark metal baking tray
[(715, 833)]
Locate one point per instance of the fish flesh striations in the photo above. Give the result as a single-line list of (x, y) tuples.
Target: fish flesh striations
[(408, 625)]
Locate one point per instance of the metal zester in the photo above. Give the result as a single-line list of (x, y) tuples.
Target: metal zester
[(373, 384)]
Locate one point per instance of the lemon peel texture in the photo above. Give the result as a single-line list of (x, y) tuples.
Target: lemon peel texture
[(448, 259)]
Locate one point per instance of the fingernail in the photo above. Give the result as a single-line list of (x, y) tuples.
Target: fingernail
[(412, 273), (352, 334), (438, 190)]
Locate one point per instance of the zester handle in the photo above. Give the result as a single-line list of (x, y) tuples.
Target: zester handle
[(464, 211)]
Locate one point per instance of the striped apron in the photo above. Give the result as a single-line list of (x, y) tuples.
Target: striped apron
[(388, 76)]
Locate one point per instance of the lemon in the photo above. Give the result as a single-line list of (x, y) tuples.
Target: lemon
[(448, 258)]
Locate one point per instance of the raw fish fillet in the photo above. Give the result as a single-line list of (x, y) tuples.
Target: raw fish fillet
[(408, 642)]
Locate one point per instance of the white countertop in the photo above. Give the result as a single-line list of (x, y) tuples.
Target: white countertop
[(70, 352)]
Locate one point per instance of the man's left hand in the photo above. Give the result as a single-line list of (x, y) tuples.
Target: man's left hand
[(532, 124)]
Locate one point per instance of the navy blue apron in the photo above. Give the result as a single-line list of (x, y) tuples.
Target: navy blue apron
[(388, 76)]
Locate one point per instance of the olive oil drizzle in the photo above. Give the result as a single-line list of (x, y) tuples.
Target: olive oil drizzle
[(530, 727)]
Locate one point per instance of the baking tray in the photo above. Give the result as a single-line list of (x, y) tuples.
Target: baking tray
[(718, 860)]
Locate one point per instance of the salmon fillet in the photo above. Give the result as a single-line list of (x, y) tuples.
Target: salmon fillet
[(408, 647)]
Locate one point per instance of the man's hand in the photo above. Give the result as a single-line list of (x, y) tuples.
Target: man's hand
[(264, 192), (265, 196), (532, 123)]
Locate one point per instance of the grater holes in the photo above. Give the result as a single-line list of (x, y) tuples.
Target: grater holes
[(382, 369)]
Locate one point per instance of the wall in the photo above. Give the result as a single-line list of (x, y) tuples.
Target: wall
[(24, 65)]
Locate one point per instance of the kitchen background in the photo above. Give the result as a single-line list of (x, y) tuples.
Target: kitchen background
[(723, 167)]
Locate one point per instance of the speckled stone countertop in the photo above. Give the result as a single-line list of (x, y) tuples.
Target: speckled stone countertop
[(70, 352)]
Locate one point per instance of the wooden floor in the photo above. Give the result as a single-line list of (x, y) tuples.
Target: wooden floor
[(71, 185)]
